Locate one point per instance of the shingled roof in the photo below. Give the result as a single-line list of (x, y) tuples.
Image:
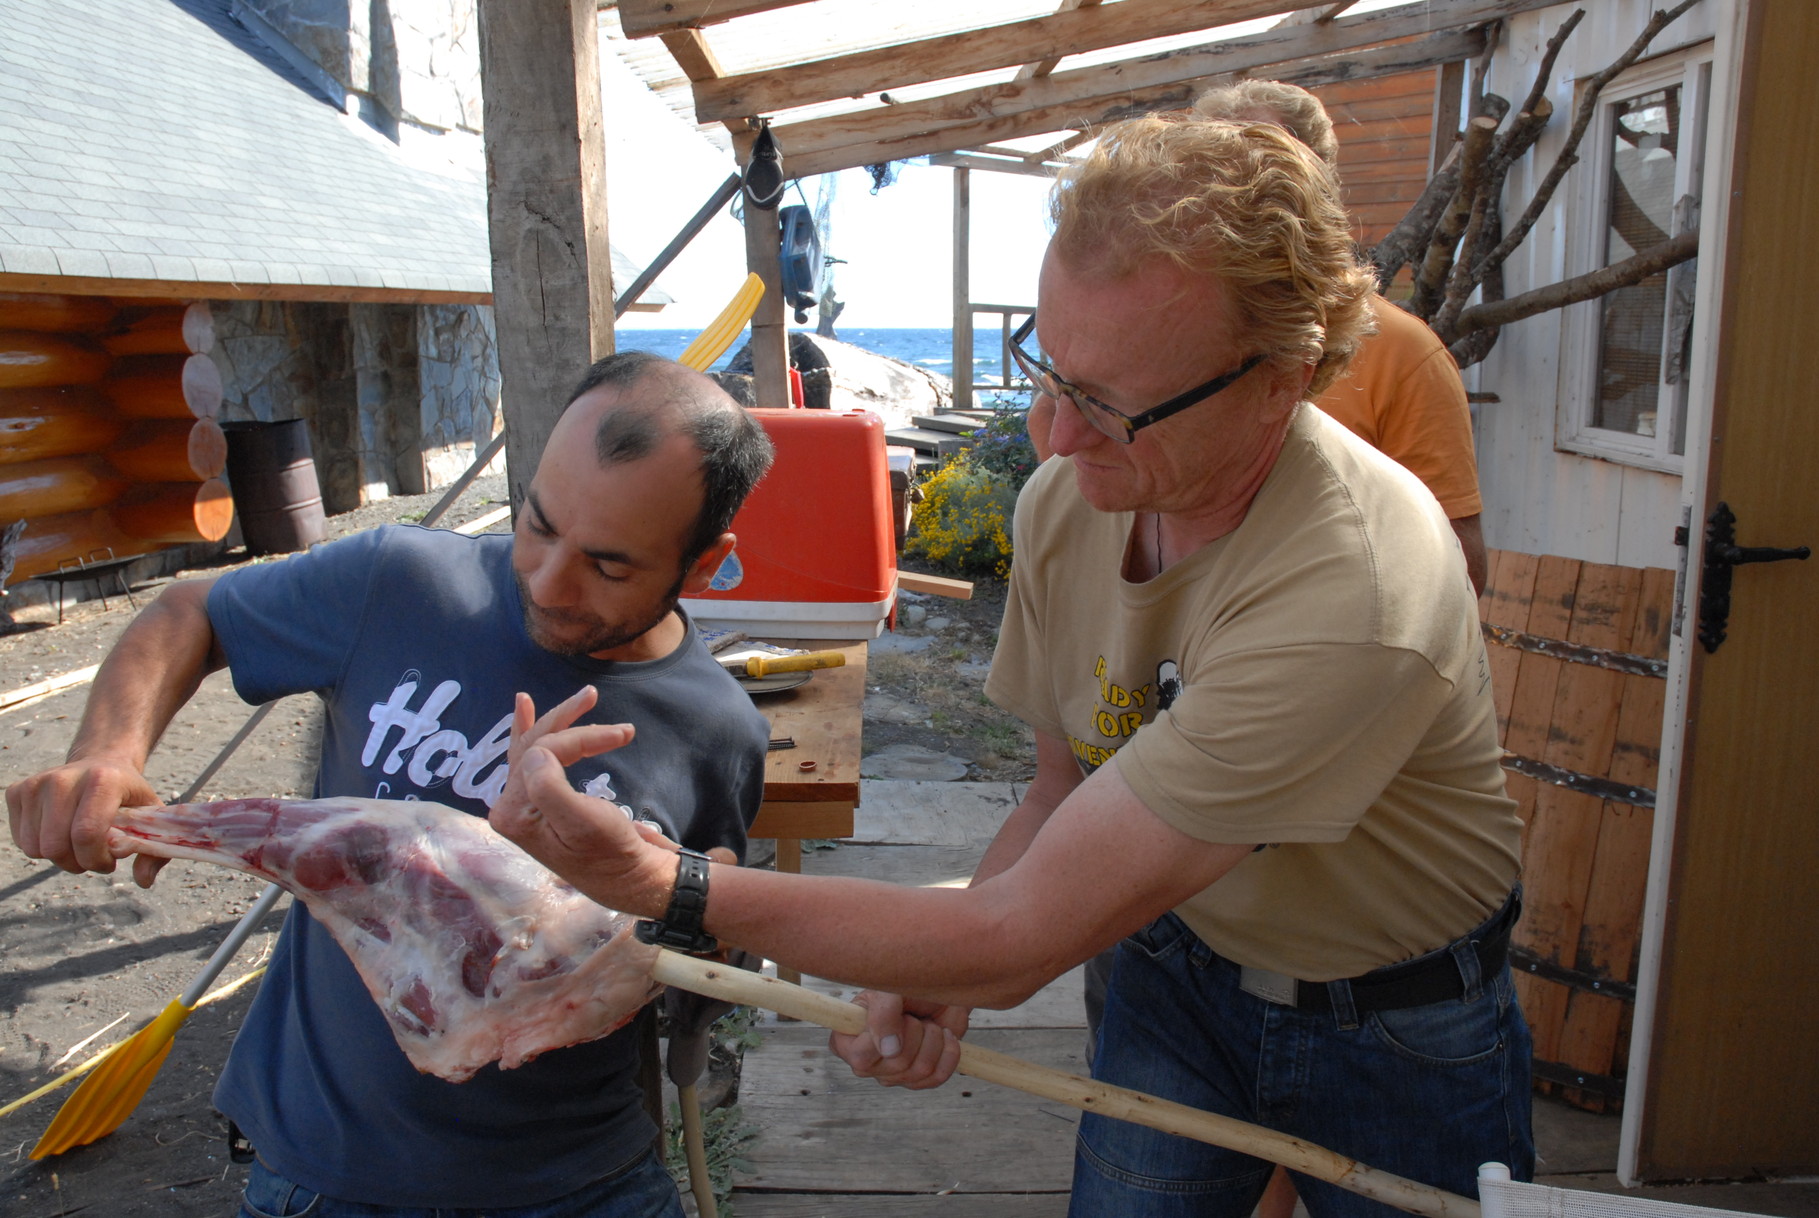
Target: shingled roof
[(161, 142)]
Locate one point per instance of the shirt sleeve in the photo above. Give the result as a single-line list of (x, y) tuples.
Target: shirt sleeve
[(1284, 744), (289, 627)]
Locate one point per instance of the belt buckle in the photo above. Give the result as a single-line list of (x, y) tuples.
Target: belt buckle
[(1278, 988)]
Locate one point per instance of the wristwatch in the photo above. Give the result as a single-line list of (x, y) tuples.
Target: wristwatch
[(681, 925)]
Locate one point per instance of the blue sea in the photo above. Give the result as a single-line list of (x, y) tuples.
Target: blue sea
[(931, 349)]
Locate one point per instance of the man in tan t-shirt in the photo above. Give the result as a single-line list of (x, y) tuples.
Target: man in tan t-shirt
[(1266, 753)]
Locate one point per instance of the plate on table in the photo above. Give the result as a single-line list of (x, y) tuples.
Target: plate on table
[(774, 684)]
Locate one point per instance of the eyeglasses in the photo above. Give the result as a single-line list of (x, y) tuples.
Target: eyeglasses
[(1109, 420)]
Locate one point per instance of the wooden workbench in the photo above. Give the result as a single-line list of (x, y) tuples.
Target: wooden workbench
[(823, 717)]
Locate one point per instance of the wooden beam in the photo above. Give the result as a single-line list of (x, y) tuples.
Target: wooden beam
[(970, 160), (692, 54), (963, 288), (546, 212), (1449, 100), (769, 327), (1088, 92), (1051, 36), (1030, 71), (1309, 73), (202, 289), (1054, 150), (642, 18)]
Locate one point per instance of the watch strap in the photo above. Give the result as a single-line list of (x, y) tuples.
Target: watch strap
[(680, 927)]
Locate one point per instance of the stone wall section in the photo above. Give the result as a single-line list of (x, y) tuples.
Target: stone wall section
[(412, 62), (399, 398)]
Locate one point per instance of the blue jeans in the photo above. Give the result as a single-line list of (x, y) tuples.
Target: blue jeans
[(642, 1190), (1427, 1092)]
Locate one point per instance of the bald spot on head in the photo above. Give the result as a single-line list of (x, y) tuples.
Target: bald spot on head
[(635, 401)]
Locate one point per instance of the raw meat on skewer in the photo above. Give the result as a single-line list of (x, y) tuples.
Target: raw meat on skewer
[(474, 951)]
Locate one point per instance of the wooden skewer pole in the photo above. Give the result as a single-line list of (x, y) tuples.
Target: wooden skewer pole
[(731, 984)]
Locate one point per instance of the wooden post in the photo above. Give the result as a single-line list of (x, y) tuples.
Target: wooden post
[(963, 290), (770, 334), (1449, 96), (546, 212)]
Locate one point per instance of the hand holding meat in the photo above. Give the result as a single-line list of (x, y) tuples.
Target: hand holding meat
[(65, 814), (473, 951)]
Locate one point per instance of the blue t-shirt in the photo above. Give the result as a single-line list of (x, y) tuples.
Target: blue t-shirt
[(415, 640)]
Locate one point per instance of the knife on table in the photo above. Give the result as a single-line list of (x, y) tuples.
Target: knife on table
[(764, 666)]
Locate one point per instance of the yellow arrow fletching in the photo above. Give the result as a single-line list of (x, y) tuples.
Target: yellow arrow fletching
[(115, 1087), (719, 335)]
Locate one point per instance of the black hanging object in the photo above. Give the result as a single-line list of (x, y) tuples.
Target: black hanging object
[(801, 260), (764, 180)]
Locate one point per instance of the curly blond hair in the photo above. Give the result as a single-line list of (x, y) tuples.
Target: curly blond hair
[(1247, 203), (1272, 101)]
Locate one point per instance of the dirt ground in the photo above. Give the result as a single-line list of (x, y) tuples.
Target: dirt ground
[(87, 959)]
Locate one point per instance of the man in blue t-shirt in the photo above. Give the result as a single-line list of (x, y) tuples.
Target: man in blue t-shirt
[(418, 640)]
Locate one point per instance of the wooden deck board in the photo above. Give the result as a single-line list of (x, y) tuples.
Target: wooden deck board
[(825, 1131)]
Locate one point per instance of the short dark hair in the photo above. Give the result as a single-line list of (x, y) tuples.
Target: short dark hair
[(735, 452)]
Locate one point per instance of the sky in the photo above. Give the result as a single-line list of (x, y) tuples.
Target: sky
[(897, 243)]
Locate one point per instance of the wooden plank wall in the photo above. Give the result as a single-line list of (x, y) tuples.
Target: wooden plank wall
[(1385, 128), (1585, 855)]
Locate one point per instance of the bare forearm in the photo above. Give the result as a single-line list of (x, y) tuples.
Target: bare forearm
[(948, 945), (1056, 777), (152, 671)]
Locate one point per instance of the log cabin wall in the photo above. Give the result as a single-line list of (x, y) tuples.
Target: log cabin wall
[(110, 410), (109, 440)]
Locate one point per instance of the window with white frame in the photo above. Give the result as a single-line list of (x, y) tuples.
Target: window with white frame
[(1624, 378)]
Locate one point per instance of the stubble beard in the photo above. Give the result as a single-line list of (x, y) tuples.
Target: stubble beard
[(593, 634)]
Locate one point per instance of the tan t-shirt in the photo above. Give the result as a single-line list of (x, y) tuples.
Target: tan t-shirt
[(1314, 680), (1402, 394)]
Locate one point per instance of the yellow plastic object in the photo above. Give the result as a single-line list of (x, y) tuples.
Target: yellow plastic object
[(764, 666), (109, 1094), (115, 1086), (708, 345)]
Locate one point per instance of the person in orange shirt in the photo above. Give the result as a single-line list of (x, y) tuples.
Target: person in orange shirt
[(1403, 396)]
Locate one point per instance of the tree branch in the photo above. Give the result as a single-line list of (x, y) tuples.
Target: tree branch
[(1544, 71), (1631, 270), (1430, 280), (1486, 225), (1476, 345), (1588, 109), (1415, 229)]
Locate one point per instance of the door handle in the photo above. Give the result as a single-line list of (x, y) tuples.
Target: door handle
[(1722, 553)]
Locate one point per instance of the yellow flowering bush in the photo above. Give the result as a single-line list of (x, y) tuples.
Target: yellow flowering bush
[(963, 523)]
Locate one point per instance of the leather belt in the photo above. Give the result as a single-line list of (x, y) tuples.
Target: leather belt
[(1433, 977)]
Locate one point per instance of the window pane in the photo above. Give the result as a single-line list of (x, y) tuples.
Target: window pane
[(1645, 146)]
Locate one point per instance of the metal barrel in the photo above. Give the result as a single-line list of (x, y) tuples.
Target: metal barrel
[(273, 475)]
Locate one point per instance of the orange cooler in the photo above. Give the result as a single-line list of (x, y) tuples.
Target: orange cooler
[(817, 555)]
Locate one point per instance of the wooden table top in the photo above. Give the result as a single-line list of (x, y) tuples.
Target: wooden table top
[(824, 718)]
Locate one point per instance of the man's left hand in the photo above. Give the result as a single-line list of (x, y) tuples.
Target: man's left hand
[(589, 842)]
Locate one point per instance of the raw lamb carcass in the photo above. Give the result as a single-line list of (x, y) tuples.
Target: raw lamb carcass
[(474, 951)]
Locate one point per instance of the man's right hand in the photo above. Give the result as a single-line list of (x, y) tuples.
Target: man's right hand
[(65, 814)]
